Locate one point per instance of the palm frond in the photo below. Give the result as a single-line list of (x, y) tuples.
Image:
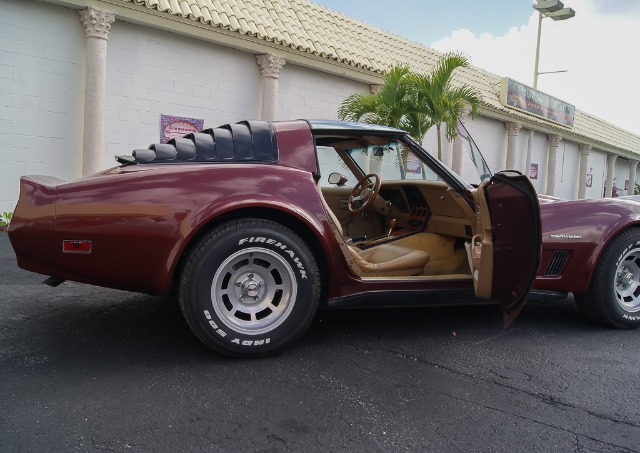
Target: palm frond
[(443, 73), (416, 102), (357, 106)]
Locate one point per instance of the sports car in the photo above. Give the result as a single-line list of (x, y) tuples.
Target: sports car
[(255, 225)]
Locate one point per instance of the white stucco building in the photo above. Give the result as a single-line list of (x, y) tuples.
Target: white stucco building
[(84, 80)]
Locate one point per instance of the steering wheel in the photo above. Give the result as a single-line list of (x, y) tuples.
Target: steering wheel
[(364, 193)]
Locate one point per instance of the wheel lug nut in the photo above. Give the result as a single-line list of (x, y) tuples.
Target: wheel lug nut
[(261, 284), (255, 298), (250, 275)]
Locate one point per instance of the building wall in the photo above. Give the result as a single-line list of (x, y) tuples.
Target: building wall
[(620, 176), (568, 163), (305, 93), (151, 72), (491, 138), (522, 143), (41, 94), (597, 168), (539, 158)]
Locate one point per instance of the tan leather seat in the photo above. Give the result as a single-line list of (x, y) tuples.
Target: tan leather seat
[(390, 260), (384, 260)]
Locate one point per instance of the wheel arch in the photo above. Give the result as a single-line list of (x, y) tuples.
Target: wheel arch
[(607, 238), (309, 235)]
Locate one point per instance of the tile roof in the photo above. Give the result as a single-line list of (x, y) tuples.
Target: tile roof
[(320, 31), (304, 26)]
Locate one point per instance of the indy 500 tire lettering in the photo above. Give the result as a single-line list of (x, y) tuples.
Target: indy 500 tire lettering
[(250, 287)]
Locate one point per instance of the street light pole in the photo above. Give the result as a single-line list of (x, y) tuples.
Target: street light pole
[(546, 8), (555, 10), (535, 70)]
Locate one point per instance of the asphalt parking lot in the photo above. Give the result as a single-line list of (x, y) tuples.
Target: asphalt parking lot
[(85, 368)]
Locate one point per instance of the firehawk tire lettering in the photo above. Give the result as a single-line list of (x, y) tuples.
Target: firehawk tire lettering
[(283, 247), (613, 297), (249, 287)]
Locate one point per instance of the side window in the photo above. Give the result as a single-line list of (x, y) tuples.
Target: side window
[(330, 162)]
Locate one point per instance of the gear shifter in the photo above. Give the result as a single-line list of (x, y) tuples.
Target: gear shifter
[(392, 225)]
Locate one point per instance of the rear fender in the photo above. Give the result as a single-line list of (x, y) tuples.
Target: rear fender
[(32, 227), (310, 215)]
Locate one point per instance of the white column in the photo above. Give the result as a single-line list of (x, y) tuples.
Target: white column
[(527, 160), (270, 65), (512, 139), (585, 150), (457, 157), (553, 141), (608, 184), (633, 166), (97, 24)]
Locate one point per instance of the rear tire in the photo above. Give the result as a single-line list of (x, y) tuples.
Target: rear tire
[(613, 297), (249, 288)]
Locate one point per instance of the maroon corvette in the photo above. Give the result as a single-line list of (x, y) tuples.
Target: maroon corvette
[(256, 224)]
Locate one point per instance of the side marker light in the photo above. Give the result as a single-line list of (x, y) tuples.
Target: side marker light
[(70, 246)]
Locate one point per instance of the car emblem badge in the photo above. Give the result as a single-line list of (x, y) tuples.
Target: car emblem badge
[(565, 236)]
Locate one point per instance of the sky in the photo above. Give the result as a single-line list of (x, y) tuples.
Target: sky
[(599, 47)]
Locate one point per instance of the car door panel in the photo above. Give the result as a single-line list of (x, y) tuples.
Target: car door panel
[(353, 225), (505, 250), (337, 199)]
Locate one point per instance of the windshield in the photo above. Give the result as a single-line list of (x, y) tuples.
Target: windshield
[(478, 166)]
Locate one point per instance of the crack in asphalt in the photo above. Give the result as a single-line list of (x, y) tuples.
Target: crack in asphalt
[(503, 334), (273, 437), (24, 318), (546, 400)]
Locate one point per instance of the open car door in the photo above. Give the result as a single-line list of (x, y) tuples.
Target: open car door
[(504, 252)]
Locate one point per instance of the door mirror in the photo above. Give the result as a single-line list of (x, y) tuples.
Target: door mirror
[(337, 179)]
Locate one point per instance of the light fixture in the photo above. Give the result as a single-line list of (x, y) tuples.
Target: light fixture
[(548, 6), (562, 14)]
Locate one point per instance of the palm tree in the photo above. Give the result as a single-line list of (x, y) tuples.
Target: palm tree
[(416, 102), (392, 105), (440, 100)]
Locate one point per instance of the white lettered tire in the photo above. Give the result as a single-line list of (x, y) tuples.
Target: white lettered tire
[(613, 297), (250, 287)]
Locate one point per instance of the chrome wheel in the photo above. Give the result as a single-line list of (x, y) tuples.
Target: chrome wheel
[(253, 291), (627, 281), (613, 295)]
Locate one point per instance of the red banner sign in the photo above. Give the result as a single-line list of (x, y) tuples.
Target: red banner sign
[(524, 98)]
